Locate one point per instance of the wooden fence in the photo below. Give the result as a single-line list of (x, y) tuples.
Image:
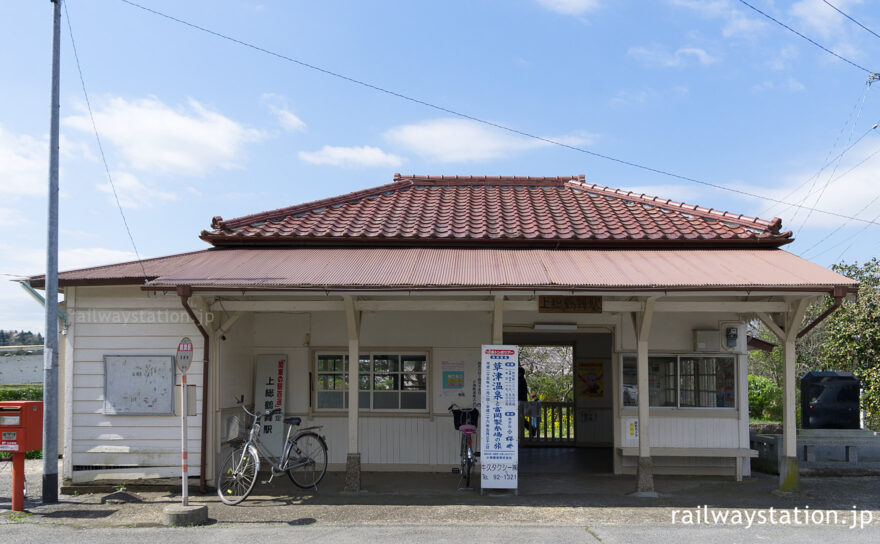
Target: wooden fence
[(553, 426)]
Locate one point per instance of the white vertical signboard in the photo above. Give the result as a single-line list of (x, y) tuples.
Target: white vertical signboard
[(499, 433), (269, 394), (183, 362)]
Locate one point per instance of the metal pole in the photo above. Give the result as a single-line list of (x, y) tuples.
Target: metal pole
[(184, 465), (50, 352)]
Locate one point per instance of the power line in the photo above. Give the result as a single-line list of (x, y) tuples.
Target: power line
[(817, 44), (838, 10), (477, 119), (837, 164), (835, 231), (854, 238), (101, 147)]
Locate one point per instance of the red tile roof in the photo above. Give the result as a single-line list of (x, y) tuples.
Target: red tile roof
[(497, 211)]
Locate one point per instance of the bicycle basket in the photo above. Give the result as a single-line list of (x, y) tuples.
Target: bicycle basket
[(465, 417), (236, 432)]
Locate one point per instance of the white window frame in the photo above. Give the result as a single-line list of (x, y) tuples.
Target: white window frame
[(678, 357), (372, 353)]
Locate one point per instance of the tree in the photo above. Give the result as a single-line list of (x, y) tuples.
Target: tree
[(548, 371), (852, 333)]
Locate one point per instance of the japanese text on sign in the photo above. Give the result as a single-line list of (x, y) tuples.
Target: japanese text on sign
[(499, 429)]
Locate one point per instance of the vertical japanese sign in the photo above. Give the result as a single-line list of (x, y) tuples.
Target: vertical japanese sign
[(269, 394), (499, 434)]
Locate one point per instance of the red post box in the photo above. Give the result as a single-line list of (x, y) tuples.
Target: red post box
[(21, 430)]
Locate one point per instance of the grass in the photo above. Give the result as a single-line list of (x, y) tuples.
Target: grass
[(17, 517)]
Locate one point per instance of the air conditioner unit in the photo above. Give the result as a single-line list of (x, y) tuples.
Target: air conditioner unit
[(707, 340)]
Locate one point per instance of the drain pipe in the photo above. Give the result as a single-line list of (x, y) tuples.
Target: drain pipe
[(839, 293), (184, 292)]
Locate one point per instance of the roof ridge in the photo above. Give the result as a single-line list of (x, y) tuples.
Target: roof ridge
[(474, 180), (773, 225), (218, 222)]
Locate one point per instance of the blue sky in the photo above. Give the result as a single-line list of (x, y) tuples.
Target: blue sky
[(194, 126)]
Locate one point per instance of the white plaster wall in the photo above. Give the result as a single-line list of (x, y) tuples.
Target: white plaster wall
[(21, 369)]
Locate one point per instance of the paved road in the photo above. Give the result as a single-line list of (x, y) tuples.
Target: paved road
[(27, 532)]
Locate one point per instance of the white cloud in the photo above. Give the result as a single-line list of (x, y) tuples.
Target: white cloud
[(570, 7), (286, 118), (462, 140), (628, 98), (12, 217), (657, 55), (819, 16), (736, 22), (132, 193), (351, 157), (24, 164), (151, 136), (846, 194)]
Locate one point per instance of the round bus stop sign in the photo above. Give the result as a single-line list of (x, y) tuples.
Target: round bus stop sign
[(184, 354)]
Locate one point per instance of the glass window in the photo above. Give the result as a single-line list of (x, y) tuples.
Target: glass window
[(385, 382), (686, 381)]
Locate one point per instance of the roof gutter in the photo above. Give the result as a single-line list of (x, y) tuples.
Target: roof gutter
[(839, 293), (39, 298), (184, 291)]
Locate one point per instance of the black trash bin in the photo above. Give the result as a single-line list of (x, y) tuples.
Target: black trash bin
[(830, 400)]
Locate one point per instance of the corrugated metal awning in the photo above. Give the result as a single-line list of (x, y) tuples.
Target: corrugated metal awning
[(450, 268)]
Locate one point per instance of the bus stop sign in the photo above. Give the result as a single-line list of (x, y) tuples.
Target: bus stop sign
[(184, 354)]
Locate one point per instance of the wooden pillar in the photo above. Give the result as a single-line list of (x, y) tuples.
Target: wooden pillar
[(353, 461), (789, 479), (642, 322), (498, 321)]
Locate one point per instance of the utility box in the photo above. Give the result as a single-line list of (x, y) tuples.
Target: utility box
[(21, 425), (830, 400)]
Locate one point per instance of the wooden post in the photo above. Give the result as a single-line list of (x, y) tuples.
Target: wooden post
[(353, 461), (642, 321), (498, 321), (789, 479)]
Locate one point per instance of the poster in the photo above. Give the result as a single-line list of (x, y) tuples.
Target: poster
[(590, 379), (631, 429), (269, 394), (452, 379), (499, 432)]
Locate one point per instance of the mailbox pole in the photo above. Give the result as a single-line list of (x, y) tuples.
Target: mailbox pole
[(50, 351)]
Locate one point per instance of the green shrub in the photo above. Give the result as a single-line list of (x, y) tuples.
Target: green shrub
[(765, 399)]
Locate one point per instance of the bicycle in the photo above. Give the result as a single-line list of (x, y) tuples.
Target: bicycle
[(304, 459), (465, 421)]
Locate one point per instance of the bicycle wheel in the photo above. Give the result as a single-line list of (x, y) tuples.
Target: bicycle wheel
[(238, 474), (468, 464), (308, 457)]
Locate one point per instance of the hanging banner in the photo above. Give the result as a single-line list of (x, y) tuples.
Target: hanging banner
[(499, 432), (269, 394)]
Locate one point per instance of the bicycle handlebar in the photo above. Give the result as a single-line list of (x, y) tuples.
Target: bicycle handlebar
[(267, 413)]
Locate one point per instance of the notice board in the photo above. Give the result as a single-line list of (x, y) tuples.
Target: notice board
[(139, 384), (499, 437)]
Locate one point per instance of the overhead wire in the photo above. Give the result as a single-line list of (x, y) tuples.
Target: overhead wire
[(836, 164), (462, 115), (814, 42), (838, 10), (101, 147)]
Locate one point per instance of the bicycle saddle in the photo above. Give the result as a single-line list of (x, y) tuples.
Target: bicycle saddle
[(468, 429), (293, 420)]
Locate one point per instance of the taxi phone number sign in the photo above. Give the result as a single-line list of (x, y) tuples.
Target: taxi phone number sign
[(499, 430)]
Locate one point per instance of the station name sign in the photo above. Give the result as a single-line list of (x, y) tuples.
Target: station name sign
[(560, 304)]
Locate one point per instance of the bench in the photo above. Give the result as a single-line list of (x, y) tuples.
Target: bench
[(736, 453)]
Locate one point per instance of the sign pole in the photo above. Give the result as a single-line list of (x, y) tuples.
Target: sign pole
[(184, 358)]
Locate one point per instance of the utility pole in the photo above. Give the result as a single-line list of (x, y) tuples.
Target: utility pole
[(50, 350)]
